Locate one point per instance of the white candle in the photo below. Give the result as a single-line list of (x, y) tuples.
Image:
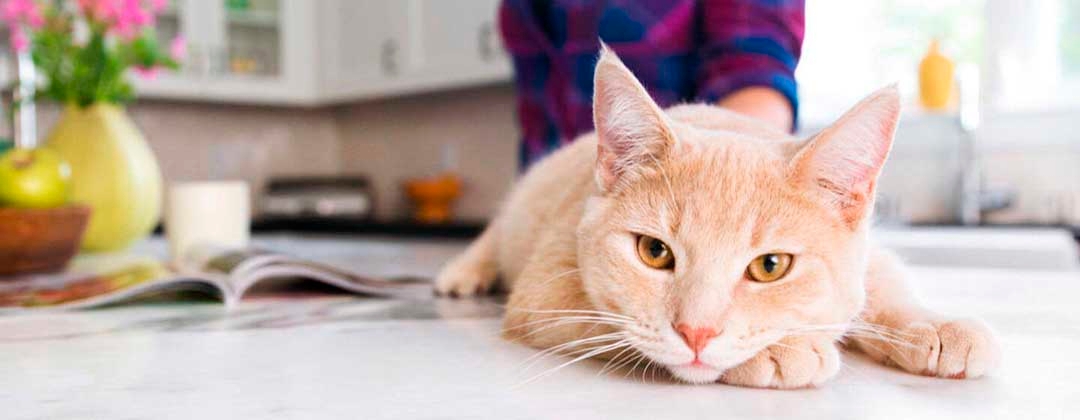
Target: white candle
[(207, 214)]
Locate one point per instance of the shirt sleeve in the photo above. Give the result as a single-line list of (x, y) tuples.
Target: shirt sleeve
[(750, 43)]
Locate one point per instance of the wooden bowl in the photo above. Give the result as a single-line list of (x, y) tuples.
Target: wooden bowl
[(40, 240)]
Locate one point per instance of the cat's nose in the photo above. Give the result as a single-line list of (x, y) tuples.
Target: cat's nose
[(696, 337)]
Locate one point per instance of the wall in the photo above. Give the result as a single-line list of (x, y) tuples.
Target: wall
[(388, 140), (207, 141), (1036, 156), (475, 130)]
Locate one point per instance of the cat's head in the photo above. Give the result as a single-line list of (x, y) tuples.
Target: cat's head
[(725, 240)]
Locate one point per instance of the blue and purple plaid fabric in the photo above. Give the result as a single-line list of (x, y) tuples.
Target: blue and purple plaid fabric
[(681, 50)]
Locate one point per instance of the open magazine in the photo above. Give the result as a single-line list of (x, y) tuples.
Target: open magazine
[(225, 274)]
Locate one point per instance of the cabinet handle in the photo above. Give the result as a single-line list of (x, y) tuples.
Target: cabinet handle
[(486, 41), (389, 57)]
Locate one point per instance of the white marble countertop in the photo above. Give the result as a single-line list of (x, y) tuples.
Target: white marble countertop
[(318, 357)]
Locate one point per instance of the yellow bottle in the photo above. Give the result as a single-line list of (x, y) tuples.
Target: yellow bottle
[(935, 79)]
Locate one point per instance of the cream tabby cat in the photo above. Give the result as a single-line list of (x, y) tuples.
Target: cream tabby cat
[(713, 246)]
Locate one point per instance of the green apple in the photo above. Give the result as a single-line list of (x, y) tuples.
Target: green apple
[(33, 178)]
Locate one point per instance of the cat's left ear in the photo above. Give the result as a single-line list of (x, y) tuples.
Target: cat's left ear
[(633, 132), (842, 162)]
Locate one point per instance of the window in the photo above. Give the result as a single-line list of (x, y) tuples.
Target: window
[(1027, 52), (1070, 38)]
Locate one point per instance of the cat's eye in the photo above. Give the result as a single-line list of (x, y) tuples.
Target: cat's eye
[(769, 267), (655, 253)]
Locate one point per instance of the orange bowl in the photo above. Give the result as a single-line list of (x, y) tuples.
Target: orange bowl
[(40, 240)]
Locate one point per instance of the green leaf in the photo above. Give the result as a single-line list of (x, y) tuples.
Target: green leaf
[(96, 71)]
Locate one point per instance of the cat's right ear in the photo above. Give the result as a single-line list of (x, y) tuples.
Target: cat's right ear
[(842, 162), (633, 132)]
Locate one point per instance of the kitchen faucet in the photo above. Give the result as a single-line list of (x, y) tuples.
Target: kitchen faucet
[(974, 200)]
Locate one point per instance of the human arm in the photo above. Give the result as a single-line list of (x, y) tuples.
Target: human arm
[(748, 57)]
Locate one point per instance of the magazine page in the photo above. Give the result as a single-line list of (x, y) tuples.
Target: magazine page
[(244, 268), (229, 262), (99, 280), (285, 267)]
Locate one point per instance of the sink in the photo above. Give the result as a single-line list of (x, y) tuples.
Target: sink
[(1004, 247)]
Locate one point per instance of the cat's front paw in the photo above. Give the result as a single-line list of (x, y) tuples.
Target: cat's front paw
[(957, 349), (464, 277), (794, 362)]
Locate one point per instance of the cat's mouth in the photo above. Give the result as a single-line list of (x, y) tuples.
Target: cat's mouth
[(696, 372)]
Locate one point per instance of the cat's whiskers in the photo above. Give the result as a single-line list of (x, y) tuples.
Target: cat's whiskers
[(615, 363), (556, 323), (871, 334), (876, 336), (570, 353), (858, 322), (856, 328), (646, 370), (594, 351), (572, 345), (566, 320), (582, 348), (638, 360), (559, 276), (879, 333), (569, 312)]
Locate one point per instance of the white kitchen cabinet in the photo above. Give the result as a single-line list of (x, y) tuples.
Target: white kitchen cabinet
[(378, 48), (310, 53)]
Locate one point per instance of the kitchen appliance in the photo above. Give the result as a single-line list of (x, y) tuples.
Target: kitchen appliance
[(350, 197)]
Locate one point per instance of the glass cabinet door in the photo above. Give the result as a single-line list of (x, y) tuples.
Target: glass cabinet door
[(169, 22), (252, 38), (256, 51)]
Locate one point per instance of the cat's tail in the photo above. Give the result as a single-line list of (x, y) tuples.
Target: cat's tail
[(474, 272)]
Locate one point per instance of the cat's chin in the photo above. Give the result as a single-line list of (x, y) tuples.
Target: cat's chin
[(696, 373)]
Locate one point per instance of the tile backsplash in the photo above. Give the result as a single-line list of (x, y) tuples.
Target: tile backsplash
[(387, 140), (473, 132)]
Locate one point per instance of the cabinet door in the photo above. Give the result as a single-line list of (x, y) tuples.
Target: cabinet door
[(459, 41), (366, 48), (181, 18), (262, 51), (249, 38), (247, 51)]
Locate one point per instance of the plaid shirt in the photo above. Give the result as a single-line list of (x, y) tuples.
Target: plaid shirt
[(681, 50)]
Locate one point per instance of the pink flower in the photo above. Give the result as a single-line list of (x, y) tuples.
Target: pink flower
[(131, 19), (18, 14), (178, 48), (148, 73), (27, 12), (100, 10), (159, 6), (124, 18), (19, 41)]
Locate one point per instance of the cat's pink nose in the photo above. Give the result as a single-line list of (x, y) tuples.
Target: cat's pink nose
[(696, 338)]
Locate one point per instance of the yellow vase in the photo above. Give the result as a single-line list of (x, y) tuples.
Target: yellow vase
[(935, 79), (113, 171)]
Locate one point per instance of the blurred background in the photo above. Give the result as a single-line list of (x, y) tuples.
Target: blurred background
[(381, 92)]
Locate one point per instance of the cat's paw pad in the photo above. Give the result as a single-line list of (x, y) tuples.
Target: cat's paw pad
[(795, 362), (463, 278), (956, 349)]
